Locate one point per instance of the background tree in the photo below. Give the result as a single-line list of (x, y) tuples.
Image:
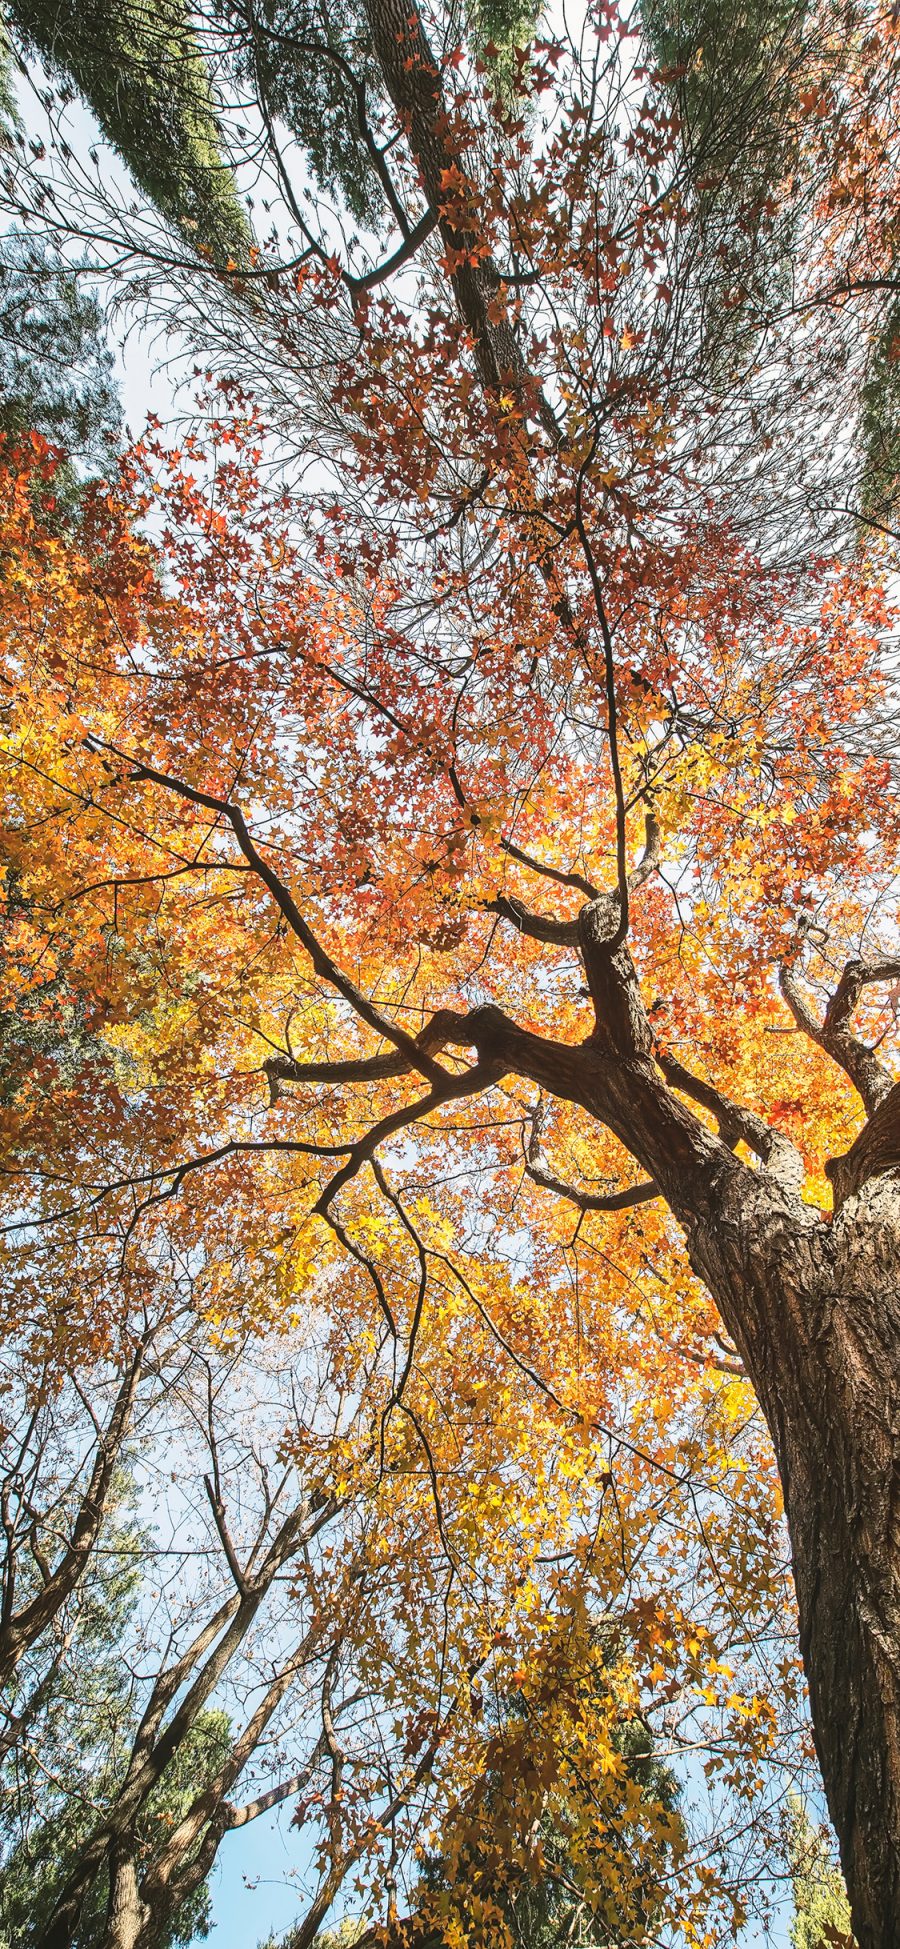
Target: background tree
[(519, 1866), (55, 363), (139, 68), (822, 1911), (65, 1764)]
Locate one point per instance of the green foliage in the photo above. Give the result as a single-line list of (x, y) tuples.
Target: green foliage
[(500, 28), (65, 1769), (821, 1909), (139, 66), (55, 366), (734, 68), (312, 67), (881, 422), (731, 60), (344, 1935), (9, 117)]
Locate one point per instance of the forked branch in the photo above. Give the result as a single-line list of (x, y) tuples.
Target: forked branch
[(834, 1035), (737, 1125), (321, 960)]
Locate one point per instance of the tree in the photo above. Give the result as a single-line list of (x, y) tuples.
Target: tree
[(139, 68), (71, 1756), (583, 602), (55, 369), (822, 1911), (518, 1868)]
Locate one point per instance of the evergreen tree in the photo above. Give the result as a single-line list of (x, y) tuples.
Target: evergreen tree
[(821, 1909), (66, 1763), (147, 76), (56, 370), (138, 65)]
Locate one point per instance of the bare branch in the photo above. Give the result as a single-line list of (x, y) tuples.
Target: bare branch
[(22, 1630), (220, 1520)]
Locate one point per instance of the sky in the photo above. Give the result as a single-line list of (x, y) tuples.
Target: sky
[(251, 1884)]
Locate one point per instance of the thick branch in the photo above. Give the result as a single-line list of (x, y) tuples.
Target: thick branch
[(537, 927), (356, 1069), (622, 1028), (621, 1021), (876, 1150), (649, 860), (413, 81), (365, 1069)]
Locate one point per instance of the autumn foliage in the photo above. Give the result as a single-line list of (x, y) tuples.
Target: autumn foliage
[(305, 787)]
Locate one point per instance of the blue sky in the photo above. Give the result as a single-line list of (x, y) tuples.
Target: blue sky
[(252, 1889)]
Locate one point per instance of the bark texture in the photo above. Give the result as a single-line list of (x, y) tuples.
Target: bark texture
[(816, 1313)]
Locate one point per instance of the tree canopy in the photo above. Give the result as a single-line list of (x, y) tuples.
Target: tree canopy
[(450, 1024)]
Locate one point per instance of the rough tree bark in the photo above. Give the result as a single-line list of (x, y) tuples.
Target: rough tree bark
[(814, 1309)]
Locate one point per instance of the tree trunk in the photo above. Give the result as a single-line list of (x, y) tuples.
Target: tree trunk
[(814, 1308), (126, 1914), (816, 1313)]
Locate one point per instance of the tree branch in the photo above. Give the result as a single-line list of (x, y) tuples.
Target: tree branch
[(20, 1631), (365, 1069), (537, 927), (322, 962), (622, 1200), (400, 256), (833, 1035), (576, 880), (736, 1125), (875, 1151)]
